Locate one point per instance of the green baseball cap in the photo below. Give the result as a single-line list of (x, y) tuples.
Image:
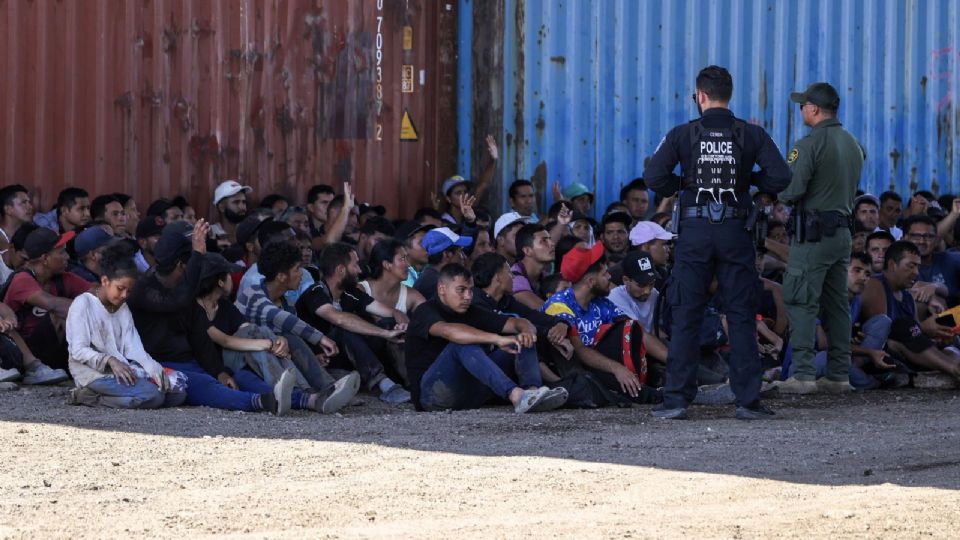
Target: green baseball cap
[(820, 94)]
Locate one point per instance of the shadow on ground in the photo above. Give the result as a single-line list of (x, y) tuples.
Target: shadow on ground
[(906, 437)]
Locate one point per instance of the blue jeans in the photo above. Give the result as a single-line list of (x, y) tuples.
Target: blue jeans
[(466, 377), (267, 366), (206, 391), (307, 364), (875, 333), (141, 395)]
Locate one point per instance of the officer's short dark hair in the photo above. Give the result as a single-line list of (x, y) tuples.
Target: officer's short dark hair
[(897, 251), (637, 184), (516, 185), (317, 190), (880, 235), (863, 258), (920, 218), (716, 83), (887, 195), (485, 268)]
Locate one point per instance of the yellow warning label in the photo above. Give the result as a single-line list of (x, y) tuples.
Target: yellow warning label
[(407, 131), (407, 38)]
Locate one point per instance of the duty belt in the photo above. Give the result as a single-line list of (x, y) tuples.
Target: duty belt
[(729, 212)]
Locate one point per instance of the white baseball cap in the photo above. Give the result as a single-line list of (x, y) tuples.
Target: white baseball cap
[(229, 189), (507, 220), (648, 231)]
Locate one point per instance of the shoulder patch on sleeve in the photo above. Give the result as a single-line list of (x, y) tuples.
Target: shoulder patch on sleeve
[(793, 155)]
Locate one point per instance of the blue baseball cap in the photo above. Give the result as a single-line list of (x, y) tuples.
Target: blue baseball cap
[(442, 238), (453, 182), (91, 239)]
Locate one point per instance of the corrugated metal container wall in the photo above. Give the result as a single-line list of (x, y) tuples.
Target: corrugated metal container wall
[(159, 97), (591, 87)]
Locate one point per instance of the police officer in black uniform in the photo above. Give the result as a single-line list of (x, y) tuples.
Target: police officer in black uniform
[(714, 217)]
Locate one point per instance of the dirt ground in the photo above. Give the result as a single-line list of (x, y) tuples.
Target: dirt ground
[(884, 464)]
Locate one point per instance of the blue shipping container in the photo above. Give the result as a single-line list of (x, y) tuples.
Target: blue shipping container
[(591, 87)]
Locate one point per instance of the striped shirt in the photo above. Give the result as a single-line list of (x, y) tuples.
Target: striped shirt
[(256, 306)]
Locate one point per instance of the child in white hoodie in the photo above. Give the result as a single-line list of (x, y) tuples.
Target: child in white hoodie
[(107, 359)]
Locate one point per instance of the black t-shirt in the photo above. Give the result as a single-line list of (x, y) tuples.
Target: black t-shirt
[(422, 349), (228, 318), (354, 301)]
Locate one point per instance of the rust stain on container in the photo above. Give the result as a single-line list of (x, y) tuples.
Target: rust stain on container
[(164, 97)]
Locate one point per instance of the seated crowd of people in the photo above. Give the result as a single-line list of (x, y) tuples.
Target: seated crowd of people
[(301, 306)]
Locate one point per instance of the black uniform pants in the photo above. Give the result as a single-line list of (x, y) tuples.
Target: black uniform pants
[(704, 250)]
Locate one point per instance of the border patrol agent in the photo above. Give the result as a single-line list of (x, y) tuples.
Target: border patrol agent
[(826, 168), (714, 210)]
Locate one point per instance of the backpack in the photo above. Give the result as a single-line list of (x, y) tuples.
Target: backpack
[(715, 155)]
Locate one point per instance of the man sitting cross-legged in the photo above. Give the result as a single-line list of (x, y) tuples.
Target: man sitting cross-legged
[(265, 304), (449, 357)]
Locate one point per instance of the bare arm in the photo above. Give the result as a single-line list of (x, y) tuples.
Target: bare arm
[(484, 181), (335, 233), (874, 300), (529, 299), (54, 304), (781, 324), (351, 322), (235, 343), (592, 358), (945, 227), (782, 251), (462, 334)]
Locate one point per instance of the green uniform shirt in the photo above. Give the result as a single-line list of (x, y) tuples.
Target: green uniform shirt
[(826, 169)]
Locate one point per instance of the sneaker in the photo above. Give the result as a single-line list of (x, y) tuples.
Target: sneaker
[(9, 386), (395, 395), (342, 392), (9, 375), (715, 394), (541, 399), (283, 391), (827, 386), (757, 412), (40, 373), (795, 386), (663, 413)]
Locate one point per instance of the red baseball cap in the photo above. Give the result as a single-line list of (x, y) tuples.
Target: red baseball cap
[(578, 260)]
